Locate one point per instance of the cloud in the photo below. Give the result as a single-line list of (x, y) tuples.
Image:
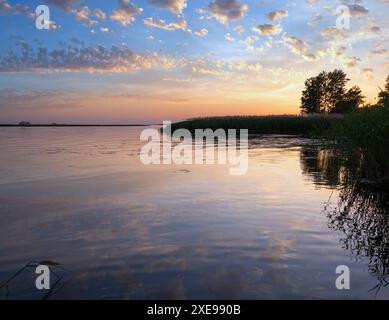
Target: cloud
[(299, 47), (226, 10), (40, 99), (379, 51), (162, 24), (250, 40), (18, 8), (351, 62), (375, 29), (241, 70), (82, 14), (368, 73), (267, 29), (314, 20), (126, 12), (277, 14), (201, 32), (99, 14), (296, 45), (239, 29), (77, 57), (63, 4), (229, 37), (183, 80), (357, 10), (329, 31), (5, 6), (175, 6), (24, 10), (334, 32), (54, 26)]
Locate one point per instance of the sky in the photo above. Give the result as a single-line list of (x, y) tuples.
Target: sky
[(145, 61)]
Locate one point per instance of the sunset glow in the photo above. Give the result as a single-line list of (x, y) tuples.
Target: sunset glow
[(144, 61)]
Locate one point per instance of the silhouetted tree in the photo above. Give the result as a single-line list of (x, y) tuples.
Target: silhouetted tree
[(383, 96), (351, 101), (334, 89), (327, 93), (24, 124), (311, 100)]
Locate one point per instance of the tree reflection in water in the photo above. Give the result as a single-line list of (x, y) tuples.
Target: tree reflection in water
[(362, 213)]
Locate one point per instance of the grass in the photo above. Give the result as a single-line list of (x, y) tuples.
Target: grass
[(284, 124), (364, 136)]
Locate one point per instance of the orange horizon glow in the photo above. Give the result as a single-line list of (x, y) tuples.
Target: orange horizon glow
[(159, 63)]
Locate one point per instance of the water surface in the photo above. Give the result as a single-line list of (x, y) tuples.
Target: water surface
[(81, 197)]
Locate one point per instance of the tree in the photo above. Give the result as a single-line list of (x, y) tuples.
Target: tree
[(24, 124), (335, 89), (311, 99), (383, 96), (351, 101), (327, 93)]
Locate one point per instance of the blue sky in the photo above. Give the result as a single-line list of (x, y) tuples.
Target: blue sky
[(152, 60), (137, 35)]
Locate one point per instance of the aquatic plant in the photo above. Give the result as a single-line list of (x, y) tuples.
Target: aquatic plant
[(283, 124)]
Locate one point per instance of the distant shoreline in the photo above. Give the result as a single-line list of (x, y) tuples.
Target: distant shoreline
[(77, 125)]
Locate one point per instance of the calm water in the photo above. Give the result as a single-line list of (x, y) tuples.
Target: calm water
[(81, 197)]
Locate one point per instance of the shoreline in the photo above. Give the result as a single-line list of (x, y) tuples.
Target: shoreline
[(76, 125), (273, 124)]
